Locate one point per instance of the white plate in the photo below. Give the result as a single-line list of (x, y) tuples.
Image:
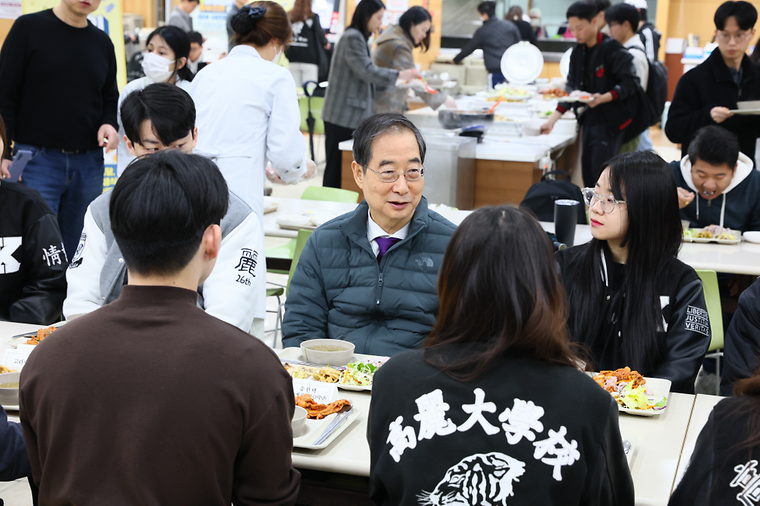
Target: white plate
[(704, 240), (295, 354), (748, 112), (10, 407), (752, 237), (320, 219), (271, 207), (294, 220), (314, 429), (564, 63), (659, 388), (522, 63)]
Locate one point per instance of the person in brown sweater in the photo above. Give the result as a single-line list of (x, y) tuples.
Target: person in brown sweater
[(149, 400)]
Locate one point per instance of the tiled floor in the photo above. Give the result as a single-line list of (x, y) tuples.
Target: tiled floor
[(17, 493)]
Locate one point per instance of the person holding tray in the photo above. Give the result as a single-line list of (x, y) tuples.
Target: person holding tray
[(493, 406), (632, 302)]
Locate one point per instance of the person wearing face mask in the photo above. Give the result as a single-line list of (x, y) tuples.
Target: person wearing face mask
[(248, 112), (632, 302), (394, 50), (165, 61), (350, 96), (714, 168)]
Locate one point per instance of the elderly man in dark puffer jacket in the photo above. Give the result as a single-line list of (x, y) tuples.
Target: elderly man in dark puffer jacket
[(370, 276)]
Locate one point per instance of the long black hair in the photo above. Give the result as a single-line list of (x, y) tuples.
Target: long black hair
[(414, 16), (179, 42), (645, 182), (364, 11)]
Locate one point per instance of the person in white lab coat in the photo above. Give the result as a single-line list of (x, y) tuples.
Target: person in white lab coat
[(247, 107)]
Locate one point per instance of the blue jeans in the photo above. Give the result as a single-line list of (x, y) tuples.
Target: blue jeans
[(68, 183)]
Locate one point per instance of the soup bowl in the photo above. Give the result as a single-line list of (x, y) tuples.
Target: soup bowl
[(327, 351)]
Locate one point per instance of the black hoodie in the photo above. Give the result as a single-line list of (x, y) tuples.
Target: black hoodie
[(712, 85)]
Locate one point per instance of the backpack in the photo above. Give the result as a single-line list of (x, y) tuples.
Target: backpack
[(541, 196), (652, 101)]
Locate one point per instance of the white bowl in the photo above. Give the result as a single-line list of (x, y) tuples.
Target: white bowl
[(299, 421), (327, 351), (752, 237), (9, 395)]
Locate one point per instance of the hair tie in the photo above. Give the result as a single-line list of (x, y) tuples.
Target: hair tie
[(257, 12)]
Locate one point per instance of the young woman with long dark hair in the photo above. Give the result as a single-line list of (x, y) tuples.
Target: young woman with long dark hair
[(632, 302), (493, 405), (165, 61), (305, 53), (723, 469), (350, 96)]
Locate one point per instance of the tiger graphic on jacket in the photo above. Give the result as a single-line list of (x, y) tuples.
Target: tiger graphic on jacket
[(483, 479)]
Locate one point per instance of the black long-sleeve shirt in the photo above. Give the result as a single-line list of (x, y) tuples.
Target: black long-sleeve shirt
[(32, 260), (58, 83)]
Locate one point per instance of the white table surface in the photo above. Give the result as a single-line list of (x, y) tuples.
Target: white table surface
[(742, 258), (703, 406)]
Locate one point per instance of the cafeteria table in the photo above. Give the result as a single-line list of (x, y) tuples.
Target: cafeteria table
[(703, 406), (740, 258)]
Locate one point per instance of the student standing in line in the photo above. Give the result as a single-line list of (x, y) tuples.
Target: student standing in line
[(648, 33), (705, 95), (67, 126), (622, 20), (515, 15), (394, 50), (247, 107), (516, 420), (601, 66), (350, 96), (194, 61), (494, 37), (632, 302), (180, 16), (305, 52), (165, 61)]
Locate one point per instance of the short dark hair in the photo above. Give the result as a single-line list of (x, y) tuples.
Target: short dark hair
[(179, 42), (488, 8), (620, 13), (169, 108), (744, 13), (643, 15), (160, 208), (715, 145), (413, 17), (381, 124), (500, 295), (196, 37), (581, 10), (600, 5), (191, 1), (364, 11)]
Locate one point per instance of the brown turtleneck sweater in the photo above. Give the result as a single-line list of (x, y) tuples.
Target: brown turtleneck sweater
[(149, 400)]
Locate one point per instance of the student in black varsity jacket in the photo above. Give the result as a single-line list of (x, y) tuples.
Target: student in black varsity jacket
[(601, 66), (632, 302), (724, 469), (493, 409)]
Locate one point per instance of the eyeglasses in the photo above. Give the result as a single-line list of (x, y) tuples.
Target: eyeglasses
[(590, 197), (390, 176), (739, 37)]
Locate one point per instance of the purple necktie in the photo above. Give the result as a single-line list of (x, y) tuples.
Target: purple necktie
[(384, 243)]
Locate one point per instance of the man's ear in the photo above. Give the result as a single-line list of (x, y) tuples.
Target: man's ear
[(195, 137), (212, 241), (130, 146), (359, 174)]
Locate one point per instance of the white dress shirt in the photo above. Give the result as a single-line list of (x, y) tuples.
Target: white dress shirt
[(374, 231), (247, 113)]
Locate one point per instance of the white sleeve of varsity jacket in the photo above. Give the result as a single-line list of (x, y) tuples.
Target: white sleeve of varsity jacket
[(235, 292), (83, 275)]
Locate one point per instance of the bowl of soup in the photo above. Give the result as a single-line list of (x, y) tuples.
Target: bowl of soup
[(9, 388), (299, 422), (327, 351)]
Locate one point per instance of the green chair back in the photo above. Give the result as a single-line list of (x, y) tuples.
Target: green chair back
[(325, 194), (303, 236), (714, 311), (316, 111)]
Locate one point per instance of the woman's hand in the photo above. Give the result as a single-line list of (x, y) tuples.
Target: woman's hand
[(409, 74)]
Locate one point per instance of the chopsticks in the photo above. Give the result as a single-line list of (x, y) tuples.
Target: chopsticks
[(333, 426), (491, 110)]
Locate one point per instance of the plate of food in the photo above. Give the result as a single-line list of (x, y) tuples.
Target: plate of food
[(635, 394), (713, 233), (32, 338), (578, 96), (332, 418), (356, 376), (552, 93), (272, 207)]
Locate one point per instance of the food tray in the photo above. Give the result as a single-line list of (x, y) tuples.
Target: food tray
[(314, 429), (271, 207), (704, 240), (296, 355), (297, 227), (660, 388)]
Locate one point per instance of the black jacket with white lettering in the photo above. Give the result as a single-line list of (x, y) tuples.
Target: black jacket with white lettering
[(720, 472), (32, 261), (546, 434), (683, 337)]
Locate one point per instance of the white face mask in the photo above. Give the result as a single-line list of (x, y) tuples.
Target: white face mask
[(156, 67)]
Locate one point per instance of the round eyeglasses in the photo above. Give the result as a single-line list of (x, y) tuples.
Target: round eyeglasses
[(390, 176), (739, 37), (608, 202)]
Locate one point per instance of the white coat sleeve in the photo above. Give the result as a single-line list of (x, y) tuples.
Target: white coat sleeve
[(235, 292), (83, 275), (285, 144)]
